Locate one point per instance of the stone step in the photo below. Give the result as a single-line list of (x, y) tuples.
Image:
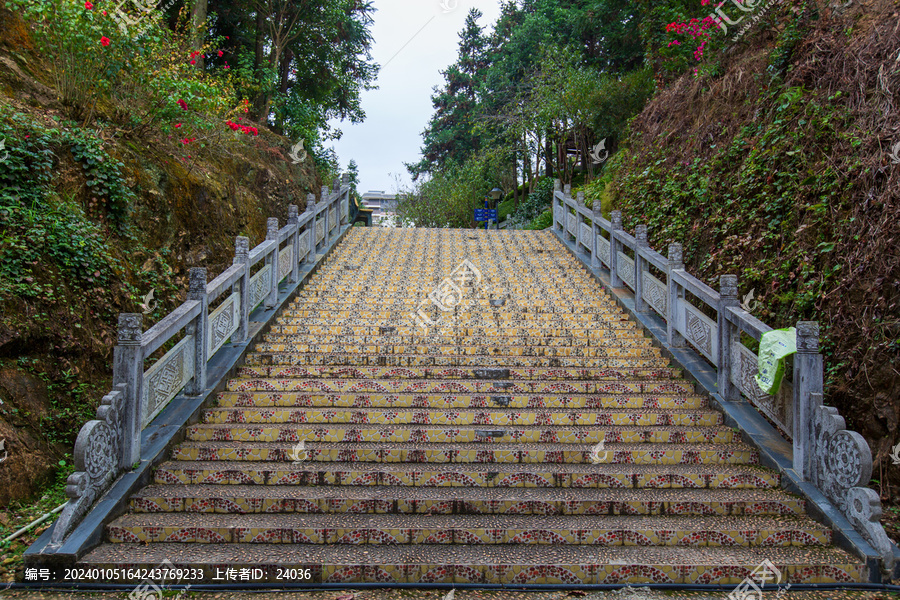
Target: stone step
[(460, 434), (451, 331), (633, 351), (379, 529), (563, 475), (486, 563), (578, 320), (483, 452), (444, 373), (462, 386), (291, 358), (389, 341), (624, 417), (244, 499), (453, 400), (386, 343)]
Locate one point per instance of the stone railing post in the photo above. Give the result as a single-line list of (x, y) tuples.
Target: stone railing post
[(595, 233), (579, 219), (242, 257), (327, 226), (567, 192), (557, 186), (676, 263), (272, 261), (311, 228), (640, 236), (728, 333), (128, 369), (345, 200), (615, 227), (293, 219), (198, 328), (808, 388)]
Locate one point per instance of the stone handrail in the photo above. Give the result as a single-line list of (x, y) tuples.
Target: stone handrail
[(837, 461), (111, 444)]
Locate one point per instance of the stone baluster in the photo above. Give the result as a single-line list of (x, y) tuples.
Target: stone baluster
[(311, 228), (198, 328), (597, 214), (641, 243), (327, 226), (128, 370), (615, 228), (345, 200), (272, 261), (557, 186), (676, 293), (808, 388), (293, 220), (728, 333), (242, 257), (579, 219)]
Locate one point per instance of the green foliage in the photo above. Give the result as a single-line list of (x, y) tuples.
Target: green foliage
[(534, 204)]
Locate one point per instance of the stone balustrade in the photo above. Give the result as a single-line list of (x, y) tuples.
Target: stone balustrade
[(837, 461), (111, 444)]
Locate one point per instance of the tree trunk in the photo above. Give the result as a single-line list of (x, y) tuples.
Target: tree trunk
[(548, 153), (259, 55), (198, 29)]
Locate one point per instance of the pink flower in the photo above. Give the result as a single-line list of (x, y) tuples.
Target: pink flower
[(221, 54), (104, 13), (104, 40), (88, 5)]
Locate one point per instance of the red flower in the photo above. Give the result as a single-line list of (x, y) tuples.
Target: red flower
[(104, 13), (182, 104), (104, 40), (177, 125), (221, 54), (193, 62), (88, 5)]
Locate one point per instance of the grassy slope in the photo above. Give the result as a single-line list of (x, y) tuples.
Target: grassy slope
[(777, 169)]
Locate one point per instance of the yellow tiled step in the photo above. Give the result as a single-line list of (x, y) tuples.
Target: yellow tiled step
[(764, 531), (454, 400), (518, 475), (338, 372), (287, 358), (461, 453)]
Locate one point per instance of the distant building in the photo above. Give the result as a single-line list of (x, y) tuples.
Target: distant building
[(384, 207)]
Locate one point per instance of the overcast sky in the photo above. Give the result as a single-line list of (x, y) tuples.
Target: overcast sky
[(398, 111)]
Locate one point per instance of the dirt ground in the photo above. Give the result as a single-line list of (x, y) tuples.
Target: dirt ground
[(635, 593)]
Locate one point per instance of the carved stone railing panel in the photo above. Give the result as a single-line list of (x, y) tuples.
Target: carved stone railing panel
[(320, 230), (332, 218), (166, 377), (285, 261), (223, 322), (304, 245), (259, 286), (559, 215), (698, 329), (586, 235), (570, 223), (603, 246), (780, 407), (97, 463), (843, 466), (655, 292), (345, 208), (626, 269)]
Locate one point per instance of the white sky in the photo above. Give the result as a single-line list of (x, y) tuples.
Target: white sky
[(397, 112)]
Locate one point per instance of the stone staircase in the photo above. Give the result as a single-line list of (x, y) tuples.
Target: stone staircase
[(470, 450)]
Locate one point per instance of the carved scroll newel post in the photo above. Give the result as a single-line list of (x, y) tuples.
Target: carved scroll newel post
[(128, 369)]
